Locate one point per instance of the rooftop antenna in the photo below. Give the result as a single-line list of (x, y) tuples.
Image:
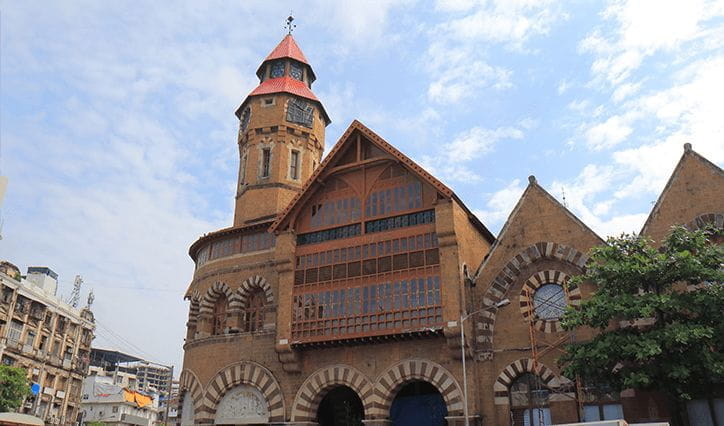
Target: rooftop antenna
[(75, 294), (565, 203), (290, 26)]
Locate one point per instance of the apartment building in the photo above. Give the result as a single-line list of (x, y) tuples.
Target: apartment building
[(48, 337)]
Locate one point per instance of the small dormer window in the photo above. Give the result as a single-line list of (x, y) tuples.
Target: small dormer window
[(296, 71), (277, 69)]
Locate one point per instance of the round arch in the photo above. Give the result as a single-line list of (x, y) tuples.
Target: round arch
[(243, 373), (310, 394), (207, 302), (195, 300), (714, 219), (524, 365), (240, 298), (189, 387), (394, 378), (509, 274)]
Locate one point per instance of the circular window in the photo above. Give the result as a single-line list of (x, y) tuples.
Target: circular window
[(549, 301), (543, 299)]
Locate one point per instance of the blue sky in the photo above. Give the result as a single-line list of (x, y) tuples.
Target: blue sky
[(118, 133)]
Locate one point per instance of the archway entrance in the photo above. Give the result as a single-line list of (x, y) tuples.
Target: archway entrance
[(340, 407), (418, 403)]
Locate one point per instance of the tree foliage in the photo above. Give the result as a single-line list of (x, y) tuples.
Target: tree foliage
[(14, 387), (674, 296)]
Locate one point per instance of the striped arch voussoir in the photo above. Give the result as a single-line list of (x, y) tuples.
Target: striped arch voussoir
[(392, 380), (189, 387), (213, 293), (195, 299), (501, 388), (243, 373), (573, 297), (509, 274), (701, 221), (241, 296), (310, 394)]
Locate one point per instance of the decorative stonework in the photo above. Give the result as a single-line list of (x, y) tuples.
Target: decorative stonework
[(247, 373), (392, 380), (213, 293), (310, 394), (240, 297), (509, 274), (527, 293), (190, 397), (701, 221), (195, 300), (242, 404), (501, 387)]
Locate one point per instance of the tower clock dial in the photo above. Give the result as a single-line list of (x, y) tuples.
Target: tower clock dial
[(300, 112), (277, 69), (244, 120)]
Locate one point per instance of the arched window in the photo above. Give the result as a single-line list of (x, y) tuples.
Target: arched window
[(253, 315), (220, 315), (529, 401)]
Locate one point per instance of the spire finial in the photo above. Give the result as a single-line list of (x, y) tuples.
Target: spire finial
[(290, 26)]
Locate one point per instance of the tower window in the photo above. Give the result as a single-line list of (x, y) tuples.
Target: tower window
[(295, 71), (219, 315), (294, 165), (277, 69), (265, 162)]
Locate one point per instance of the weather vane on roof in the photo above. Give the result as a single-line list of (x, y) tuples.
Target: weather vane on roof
[(289, 25)]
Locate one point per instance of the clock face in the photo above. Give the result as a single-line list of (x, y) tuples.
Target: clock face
[(296, 71), (244, 120), (277, 69), (300, 112)]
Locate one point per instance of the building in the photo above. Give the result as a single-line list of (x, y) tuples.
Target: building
[(132, 374), (109, 403), (336, 297), (46, 336)]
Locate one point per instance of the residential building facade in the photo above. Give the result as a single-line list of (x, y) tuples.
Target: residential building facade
[(342, 292), (46, 336)]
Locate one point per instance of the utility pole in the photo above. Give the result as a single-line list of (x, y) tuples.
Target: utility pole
[(168, 395)]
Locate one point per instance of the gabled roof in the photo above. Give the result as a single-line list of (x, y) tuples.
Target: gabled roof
[(533, 186), (689, 153), (385, 146)]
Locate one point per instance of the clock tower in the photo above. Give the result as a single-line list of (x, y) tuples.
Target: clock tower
[(281, 135)]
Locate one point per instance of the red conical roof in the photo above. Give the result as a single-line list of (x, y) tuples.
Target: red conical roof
[(287, 48)]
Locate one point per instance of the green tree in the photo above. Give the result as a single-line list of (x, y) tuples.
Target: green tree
[(677, 345), (14, 387)]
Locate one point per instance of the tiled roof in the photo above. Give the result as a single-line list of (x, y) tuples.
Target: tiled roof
[(284, 84), (287, 48)]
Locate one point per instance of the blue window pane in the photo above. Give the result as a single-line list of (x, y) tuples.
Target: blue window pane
[(591, 413), (612, 412)]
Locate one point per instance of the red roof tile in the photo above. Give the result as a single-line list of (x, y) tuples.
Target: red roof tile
[(284, 84), (287, 48)]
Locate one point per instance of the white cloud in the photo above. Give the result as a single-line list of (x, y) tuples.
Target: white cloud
[(457, 58), (645, 27), (452, 162), (500, 204), (607, 134)]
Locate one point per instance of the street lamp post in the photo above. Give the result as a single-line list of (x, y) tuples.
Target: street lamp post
[(463, 318)]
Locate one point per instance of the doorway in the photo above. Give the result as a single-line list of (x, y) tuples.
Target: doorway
[(418, 403), (340, 407)]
